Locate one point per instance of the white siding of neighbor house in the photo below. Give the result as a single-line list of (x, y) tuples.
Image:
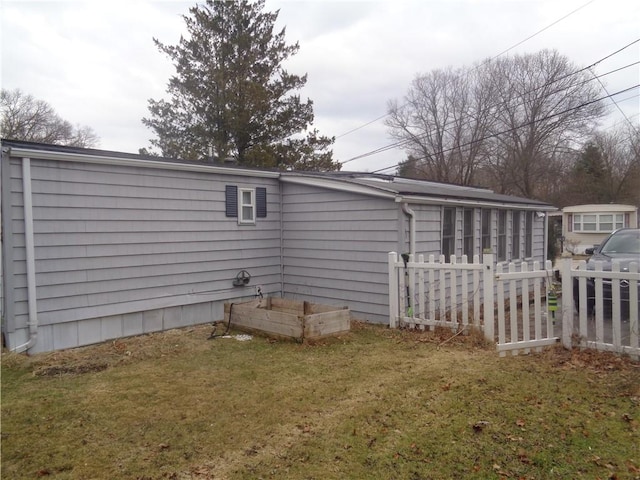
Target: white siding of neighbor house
[(577, 242), (335, 247), (122, 250)]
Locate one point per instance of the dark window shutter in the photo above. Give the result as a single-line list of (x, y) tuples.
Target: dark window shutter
[(570, 223), (231, 198), (261, 202)]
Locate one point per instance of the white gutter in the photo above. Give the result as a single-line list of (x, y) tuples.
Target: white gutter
[(30, 257), (412, 227), (135, 162), (474, 203)]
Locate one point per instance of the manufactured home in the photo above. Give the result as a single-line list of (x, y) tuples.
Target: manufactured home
[(585, 226), (98, 245)]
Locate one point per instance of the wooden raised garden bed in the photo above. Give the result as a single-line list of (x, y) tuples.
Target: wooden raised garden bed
[(281, 318)]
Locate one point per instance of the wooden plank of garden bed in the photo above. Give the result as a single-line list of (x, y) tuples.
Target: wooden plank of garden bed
[(294, 307), (265, 321), (327, 323)]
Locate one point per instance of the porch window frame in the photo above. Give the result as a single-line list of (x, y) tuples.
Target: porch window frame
[(448, 236)]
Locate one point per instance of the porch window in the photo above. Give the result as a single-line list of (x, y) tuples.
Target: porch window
[(486, 229), (515, 235), (528, 235), (502, 235), (448, 232), (468, 234)]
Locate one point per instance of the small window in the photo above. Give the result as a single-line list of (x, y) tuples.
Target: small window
[(448, 232), (502, 235), (468, 232), (247, 206)]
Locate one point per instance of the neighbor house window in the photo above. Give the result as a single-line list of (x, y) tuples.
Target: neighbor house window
[(515, 235), (448, 232), (597, 222), (486, 230), (245, 204), (468, 233), (502, 235), (528, 234)]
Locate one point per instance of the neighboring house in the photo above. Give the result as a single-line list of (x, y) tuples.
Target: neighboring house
[(584, 226), (99, 245)]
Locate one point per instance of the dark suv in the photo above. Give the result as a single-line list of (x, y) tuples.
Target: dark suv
[(622, 246)]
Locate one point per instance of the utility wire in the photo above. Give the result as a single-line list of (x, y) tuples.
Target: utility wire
[(400, 143), (481, 64), (633, 127), (494, 135), (406, 142)]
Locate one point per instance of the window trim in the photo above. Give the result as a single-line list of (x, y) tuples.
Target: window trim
[(242, 218)]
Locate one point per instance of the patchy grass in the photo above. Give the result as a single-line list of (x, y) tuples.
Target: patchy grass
[(372, 404)]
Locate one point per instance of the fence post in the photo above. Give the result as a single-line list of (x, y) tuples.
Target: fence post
[(487, 287), (567, 300), (393, 290)]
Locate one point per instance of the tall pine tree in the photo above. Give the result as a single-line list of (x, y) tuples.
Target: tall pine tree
[(231, 97)]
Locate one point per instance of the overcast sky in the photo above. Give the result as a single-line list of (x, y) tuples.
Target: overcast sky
[(96, 64)]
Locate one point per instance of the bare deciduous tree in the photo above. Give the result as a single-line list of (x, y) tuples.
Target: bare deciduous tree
[(546, 108), (442, 124), (26, 118), (506, 124)]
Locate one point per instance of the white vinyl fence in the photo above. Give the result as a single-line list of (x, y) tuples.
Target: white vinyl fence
[(520, 299), (458, 294), (608, 318)]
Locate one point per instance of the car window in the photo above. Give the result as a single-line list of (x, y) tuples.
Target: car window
[(624, 243)]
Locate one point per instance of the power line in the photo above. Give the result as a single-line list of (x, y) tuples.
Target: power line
[(614, 102), (407, 142), (481, 64), (494, 135)]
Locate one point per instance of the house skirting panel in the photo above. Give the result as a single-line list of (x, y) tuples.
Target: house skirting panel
[(95, 330)]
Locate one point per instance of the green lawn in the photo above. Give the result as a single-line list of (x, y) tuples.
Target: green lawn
[(375, 404)]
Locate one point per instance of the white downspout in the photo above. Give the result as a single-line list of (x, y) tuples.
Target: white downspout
[(412, 227), (30, 257)]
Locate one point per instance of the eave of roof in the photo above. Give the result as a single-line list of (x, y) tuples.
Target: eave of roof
[(72, 154), (415, 191), (376, 185)]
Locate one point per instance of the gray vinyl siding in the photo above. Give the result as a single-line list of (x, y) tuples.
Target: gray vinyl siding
[(335, 247), (118, 247), (428, 229)]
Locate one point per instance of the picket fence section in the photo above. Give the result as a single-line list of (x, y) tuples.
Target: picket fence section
[(608, 327), (458, 295), (518, 298)]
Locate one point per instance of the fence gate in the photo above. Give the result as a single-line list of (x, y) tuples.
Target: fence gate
[(459, 295)]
